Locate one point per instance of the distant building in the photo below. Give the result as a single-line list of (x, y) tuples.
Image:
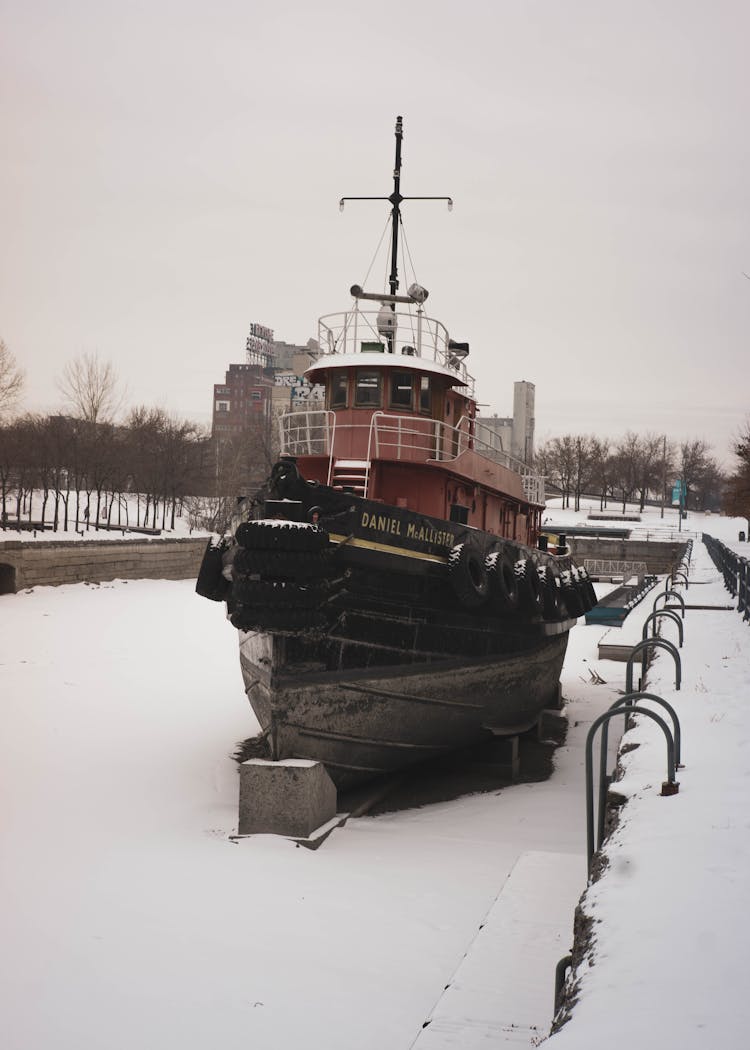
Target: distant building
[(517, 431), (268, 382), (242, 399), (291, 388)]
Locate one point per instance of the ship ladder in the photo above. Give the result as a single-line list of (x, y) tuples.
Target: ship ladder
[(351, 475)]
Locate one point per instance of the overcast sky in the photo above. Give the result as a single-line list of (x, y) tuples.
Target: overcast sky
[(171, 173)]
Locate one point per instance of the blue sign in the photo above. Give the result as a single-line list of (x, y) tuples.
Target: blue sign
[(677, 493)]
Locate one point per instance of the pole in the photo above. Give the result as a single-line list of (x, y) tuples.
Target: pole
[(663, 472), (395, 199)]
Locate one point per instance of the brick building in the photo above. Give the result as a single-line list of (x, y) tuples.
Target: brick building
[(244, 398), (250, 392)]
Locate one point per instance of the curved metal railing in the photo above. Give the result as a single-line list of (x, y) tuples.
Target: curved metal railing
[(413, 335)]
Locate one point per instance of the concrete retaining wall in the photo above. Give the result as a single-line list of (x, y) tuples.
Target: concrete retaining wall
[(659, 555), (25, 565)]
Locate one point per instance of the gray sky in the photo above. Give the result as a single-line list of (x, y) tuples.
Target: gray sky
[(171, 172)]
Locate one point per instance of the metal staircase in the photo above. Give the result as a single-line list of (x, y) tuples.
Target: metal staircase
[(351, 475)]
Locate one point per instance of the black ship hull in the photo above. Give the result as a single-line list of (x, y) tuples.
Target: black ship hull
[(362, 722), (375, 638)]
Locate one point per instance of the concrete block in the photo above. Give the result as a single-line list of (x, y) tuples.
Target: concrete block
[(293, 797)]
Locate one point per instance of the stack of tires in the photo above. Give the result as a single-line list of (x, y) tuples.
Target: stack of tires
[(567, 593), (584, 582), (279, 576), (498, 581)]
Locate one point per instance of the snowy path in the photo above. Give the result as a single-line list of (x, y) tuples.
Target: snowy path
[(669, 956)]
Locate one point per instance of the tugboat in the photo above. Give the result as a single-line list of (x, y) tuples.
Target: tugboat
[(392, 598)]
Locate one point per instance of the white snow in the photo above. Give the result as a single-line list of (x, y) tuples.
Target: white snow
[(130, 919)]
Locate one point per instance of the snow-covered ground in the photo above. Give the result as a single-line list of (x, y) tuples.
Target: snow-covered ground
[(130, 919)]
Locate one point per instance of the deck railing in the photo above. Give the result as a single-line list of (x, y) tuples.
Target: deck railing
[(412, 335), (413, 439), (308, 432)]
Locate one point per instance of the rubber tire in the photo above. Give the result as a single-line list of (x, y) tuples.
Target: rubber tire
[(583, 575), (571, 596), (291, 565), (582, 589), (285, 536), (246, 618), (552, 609), (468, 575), (211, 582), (269, 594), (504, 591), (530, 593)]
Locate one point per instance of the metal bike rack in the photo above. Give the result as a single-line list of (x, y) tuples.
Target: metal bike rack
[(669, 787), (672, 578), (561, 972), (654, 616), (631, 698), (670, 594), (641, 647), (604, 780)]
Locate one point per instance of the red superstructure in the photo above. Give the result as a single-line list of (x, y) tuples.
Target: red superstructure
[(399, 424)]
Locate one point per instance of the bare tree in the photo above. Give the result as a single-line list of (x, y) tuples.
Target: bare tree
[(601, 463), (649, 466), (625, 466), (737, 500), (12, 380), (583, 466), (694, 462), (91, 389), (556, 459)]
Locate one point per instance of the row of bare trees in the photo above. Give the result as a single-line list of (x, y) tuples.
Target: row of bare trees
[(83, 471), (634, 468), (67, 473), (80, 469)]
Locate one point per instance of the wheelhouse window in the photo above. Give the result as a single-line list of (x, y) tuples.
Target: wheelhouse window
[(368, 388), (401, 389), (339, 390), (425, 395)]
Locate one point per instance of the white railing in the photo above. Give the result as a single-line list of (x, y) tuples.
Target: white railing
[(416, 439), (413, 438), (356, 332), (308, 432)]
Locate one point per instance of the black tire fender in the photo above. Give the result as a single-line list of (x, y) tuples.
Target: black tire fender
[(550, 592), (246, 618), (529, 586), (211, 582), (280, 535), (571, 595), (273, 594), (583, 575), (276, 564), (503, 584), (468, 575)]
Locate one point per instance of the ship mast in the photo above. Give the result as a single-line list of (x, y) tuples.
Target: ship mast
[(395, 200)]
